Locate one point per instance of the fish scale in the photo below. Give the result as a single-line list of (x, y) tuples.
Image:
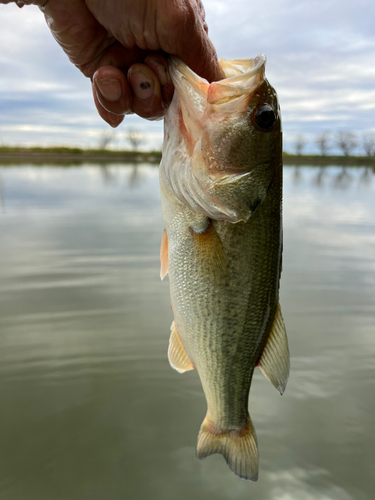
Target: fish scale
[(221, 189)]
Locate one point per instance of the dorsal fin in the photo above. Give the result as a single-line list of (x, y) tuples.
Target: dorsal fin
[(177, 356), (274, 362), (164, 255)]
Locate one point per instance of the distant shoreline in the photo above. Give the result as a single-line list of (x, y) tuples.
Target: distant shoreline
[(62, 155), (318, 160), (75, 155)]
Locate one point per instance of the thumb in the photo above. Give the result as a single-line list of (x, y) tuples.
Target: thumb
[(200, 55)]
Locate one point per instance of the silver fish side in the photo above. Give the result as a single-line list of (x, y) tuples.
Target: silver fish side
[(221, 187)]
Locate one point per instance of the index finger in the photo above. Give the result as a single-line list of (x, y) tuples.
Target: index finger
[(185, 36)]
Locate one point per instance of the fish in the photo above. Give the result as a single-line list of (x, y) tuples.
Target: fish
[(221, 192)]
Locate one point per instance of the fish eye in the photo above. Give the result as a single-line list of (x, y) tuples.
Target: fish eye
[(265, 117)]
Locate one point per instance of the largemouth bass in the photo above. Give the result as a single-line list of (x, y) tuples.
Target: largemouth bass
[(221, 188)]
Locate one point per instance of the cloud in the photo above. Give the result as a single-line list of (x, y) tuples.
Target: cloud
[(320, 60)]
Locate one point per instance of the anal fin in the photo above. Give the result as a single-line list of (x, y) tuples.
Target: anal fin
[(177, 356), (274, 362), (164, 255)]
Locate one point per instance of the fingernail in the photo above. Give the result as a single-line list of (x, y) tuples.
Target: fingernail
[(142, 85), (115, 122), (110, 88), (160, 70)]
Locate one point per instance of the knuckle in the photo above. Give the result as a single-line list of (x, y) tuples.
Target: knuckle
[(180, 16)]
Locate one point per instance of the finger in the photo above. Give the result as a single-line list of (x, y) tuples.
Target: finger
[(159, 66), (112, 90), (147, 98), (87, 43), (112, 119), (201, 56), (202, 14), (76, 30), (186, 37)]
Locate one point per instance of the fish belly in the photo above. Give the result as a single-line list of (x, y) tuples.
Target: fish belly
[(223, 316)]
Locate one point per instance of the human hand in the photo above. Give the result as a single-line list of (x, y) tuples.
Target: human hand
[(121, 46)]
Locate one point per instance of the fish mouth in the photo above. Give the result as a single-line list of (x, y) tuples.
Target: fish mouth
[(198, 99), (244, 76)]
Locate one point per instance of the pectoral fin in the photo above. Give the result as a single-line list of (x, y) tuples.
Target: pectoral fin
[(209, 250), (177, 356), (274, 362), (164, 255)]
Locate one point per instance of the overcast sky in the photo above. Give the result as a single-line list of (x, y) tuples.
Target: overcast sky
[(321, 60)]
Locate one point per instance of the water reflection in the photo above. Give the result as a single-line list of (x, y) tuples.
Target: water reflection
[(343, 179), (319, 178), (114, 174), (366, 176), (340, 178), (89, 405), (297, 174), (107, 174)]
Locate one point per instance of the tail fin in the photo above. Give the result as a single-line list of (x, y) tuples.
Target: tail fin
[(239, 448)]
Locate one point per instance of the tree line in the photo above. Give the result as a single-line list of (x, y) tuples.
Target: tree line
[(345, 140), (133, 136)]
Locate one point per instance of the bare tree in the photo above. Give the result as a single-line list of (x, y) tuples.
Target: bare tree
[(134, 137), (369, 143), (300, 144), (322, 142), (105, 138), (346, 141)]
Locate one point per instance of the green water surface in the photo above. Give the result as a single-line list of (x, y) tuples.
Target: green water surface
[(89, 406)]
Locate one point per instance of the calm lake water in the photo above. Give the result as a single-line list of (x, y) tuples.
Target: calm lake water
[(89, 406)]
